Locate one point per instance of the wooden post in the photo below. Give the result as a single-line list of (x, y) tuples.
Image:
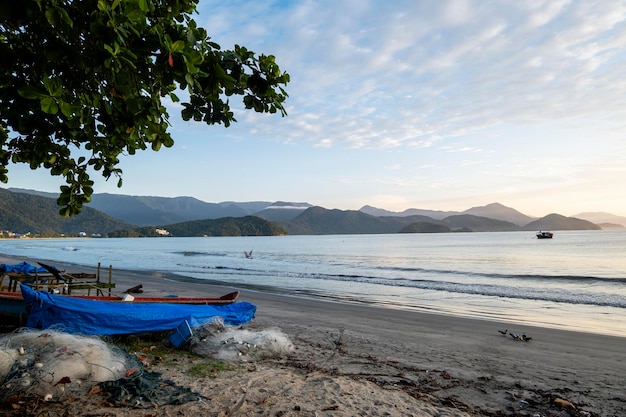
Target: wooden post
[(98, 292), (110, 278)]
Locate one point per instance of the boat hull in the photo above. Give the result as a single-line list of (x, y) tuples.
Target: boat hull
[(225, 299), (13, 309)]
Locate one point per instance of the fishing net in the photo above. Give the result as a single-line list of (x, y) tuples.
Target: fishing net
[(236, 344), (146, 390), (51, 363)]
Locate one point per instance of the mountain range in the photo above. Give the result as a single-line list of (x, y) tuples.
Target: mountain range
[(122, 212)]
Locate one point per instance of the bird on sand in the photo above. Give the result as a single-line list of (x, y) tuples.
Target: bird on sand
[(503, 331)]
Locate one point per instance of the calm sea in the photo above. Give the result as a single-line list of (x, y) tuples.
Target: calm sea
[(576, 281)]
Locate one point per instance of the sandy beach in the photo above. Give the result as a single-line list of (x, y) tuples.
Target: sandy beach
[(363, 360)]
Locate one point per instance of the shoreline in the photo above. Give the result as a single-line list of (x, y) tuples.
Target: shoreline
[(458, 365), (123, 277), (186, 286)]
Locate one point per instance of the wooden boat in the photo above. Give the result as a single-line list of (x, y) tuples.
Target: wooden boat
[(13, 306), (544, 235), (92, 317), (229, 298)]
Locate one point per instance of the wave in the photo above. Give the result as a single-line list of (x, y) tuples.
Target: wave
[(603, 299), (571, 278), (196, 253)]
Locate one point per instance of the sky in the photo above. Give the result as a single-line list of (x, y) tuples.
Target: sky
[(430, 104)]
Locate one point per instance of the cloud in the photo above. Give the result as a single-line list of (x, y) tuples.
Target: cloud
[(456, 96), (405, 72)]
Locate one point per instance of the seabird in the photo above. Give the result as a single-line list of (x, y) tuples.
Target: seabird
[(503, 331)]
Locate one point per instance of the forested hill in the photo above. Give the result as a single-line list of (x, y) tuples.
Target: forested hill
[(23, 212), (318, 220), (27, 213), (226, 226)]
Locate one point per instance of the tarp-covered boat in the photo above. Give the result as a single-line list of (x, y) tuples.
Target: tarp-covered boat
[(93, 317), (13, 307)]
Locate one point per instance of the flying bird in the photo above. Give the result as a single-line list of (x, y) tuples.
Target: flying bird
[(503, 331), (248, 254)]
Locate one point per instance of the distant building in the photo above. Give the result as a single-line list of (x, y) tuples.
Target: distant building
[(162, 232)]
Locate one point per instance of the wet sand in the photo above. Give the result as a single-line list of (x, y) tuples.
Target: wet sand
[(357, 359)]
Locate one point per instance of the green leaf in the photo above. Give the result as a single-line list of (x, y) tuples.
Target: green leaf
[(29, 92), (189, 79), (49, 105), (177, 46), (143, 5), (51, 17), (65, 17), (53, 86), (68, 109), (103, 5)]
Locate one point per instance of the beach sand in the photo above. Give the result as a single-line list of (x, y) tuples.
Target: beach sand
[(363, 360)]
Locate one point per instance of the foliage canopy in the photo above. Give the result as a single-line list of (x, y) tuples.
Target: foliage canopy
[(84, 81)]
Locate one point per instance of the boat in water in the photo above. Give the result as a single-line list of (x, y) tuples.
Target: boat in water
[(544, 235), (94, 317)]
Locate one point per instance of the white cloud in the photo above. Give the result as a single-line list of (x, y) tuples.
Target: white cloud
[(409, 101)]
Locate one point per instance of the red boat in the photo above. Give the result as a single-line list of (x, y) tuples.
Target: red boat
[(173, 299)]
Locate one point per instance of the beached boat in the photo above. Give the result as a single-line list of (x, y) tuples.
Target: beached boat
[(544, 235), (229, 298), (93, 317), (13, 307)]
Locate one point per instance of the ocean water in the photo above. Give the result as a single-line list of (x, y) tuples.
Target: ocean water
[(575, 281)]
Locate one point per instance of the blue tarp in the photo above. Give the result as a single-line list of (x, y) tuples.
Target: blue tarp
[(115, 318), (23, 267)]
